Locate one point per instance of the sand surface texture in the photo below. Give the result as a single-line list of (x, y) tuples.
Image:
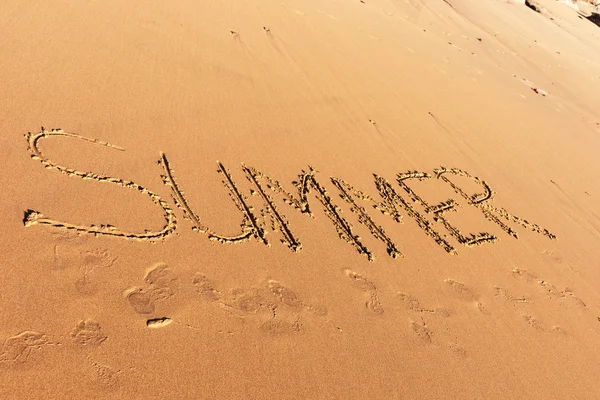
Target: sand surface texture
[(335, 199)]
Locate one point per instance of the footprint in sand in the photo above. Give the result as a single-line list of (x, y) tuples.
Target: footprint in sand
[(278, 327), (88, 333), (554, 258), (238, 301), (104, 376), (500, 292), (70, 251), (290, 299), (66, 252), (141, 301), (567, 292), (558, 329), (548, 288), (259, 304), (466, 294), (159, 285), (250, 301), (92, 260), (97, 258), (551, 255), (285, 295), (422, 330), (523, 274), (86, 286), (457, 349), (533, 322), (205, 287), (373, 303), (160, 281), (413, 304), (289, 308), (275, 307), (18, 348)]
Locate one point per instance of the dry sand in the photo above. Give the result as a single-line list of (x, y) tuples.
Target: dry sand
[(109, 291)]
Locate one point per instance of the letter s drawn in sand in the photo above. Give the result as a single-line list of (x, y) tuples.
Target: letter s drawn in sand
[(32, 217)]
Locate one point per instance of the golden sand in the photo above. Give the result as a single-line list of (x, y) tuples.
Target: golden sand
[(338, 199)]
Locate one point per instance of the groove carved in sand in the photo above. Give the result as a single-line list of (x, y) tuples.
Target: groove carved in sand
[(480, 200), (392, 200), (32, 217), (178, 196), (439, 210), (253, 226), (348, 194), (279, 221)]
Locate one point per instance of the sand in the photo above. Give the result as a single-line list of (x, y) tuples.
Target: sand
[(299, 199)]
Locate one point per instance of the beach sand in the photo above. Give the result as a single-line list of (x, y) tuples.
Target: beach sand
[(341, 199)]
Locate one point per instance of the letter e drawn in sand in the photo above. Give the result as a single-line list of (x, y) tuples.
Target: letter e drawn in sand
[(439, 210), (392, 200)]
